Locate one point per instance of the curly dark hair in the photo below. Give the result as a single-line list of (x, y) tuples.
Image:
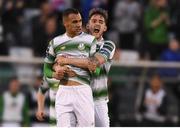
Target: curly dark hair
[(99, 11)]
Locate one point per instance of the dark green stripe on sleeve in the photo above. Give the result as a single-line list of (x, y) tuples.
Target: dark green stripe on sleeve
[(48, 72)]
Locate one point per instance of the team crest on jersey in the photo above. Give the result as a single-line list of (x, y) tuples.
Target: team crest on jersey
[(62, 48), (81, 46)]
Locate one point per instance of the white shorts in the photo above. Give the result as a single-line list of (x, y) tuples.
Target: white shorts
[(74, 103), (101, 114)]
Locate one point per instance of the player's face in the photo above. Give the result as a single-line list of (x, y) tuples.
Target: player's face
[(73, 24), (97, 26)]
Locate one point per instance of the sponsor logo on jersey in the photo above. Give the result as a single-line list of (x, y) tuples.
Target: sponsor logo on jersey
[(62, 48), (81, 46)]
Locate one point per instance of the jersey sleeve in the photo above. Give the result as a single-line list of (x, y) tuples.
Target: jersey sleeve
[(50, 54), (49, 60), (93, 47), (44, 87), (107, 50)]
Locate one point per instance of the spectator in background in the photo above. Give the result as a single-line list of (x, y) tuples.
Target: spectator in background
[(87, 5), (13, 106), (33, 105), (126, 20), (176, 26), (44, 27), (172, 54), (61, 5), (12, 18), (156, 22), (3, 45), (154, 103)]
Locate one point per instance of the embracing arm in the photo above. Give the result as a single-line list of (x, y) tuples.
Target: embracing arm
[(78, 62), (87, 63), (49, 71)]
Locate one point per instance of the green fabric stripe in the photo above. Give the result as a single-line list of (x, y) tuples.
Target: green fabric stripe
[(52, 121), (53, 85), (48, 72), (50, 57), (85, 80), (1, 107), (52, 103), (97, 48), (42, 90), (59, 45), (26, 119), (103, 72), (71, 46), (101, 93), (94, 41), (105, 53), (108, 47), (109, 43)]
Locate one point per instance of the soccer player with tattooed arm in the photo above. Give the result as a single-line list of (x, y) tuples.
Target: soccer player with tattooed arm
[(100, 62)]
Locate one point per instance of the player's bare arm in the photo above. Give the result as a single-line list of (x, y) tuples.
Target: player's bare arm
[(62, 70), (87, 63), (40, 111)]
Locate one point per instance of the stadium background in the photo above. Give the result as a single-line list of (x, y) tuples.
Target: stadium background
[(26, 26)]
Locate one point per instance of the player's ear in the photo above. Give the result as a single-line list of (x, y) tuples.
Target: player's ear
[(87, 26)]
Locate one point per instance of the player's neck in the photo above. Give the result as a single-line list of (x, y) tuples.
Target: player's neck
[(71, 35), (100, 38)]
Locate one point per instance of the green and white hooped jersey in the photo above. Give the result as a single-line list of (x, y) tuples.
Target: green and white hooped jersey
[(52, 85), (81, 46), (99, 83)]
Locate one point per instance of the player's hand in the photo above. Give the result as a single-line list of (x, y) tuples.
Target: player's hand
[(59, 71), (40, 115), (92, 66), (61, 60), (70, 72)]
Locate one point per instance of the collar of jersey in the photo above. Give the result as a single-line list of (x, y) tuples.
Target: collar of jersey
[(72, 37), (100, 42)]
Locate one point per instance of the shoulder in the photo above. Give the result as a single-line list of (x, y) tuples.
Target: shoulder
[(87, 37), (58, 40)]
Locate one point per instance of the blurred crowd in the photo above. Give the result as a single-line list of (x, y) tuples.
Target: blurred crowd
[(148, 28)]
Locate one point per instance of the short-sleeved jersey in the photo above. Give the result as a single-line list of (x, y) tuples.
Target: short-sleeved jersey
[(81, 46), (99, 83)]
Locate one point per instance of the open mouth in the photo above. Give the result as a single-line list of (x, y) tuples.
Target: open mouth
[(96, 30)]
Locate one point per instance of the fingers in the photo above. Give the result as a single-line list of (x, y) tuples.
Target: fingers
[(40, 116), (61, 60), (92, 66)]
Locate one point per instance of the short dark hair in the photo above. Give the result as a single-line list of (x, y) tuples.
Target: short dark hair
[(69, 11), (99, 11)]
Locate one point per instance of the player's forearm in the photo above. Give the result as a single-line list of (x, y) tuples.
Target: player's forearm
[(77, 62), (40, 100), (100, 59)]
